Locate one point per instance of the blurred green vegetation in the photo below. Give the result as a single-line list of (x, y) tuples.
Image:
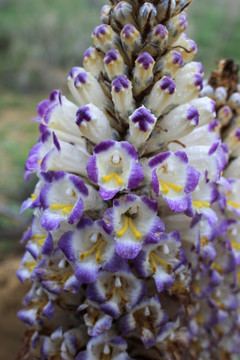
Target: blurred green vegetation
[(39, 43)]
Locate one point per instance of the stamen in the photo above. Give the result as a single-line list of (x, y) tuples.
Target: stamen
[(146, 311), (93, 316), (201, 204), (219, 304), (66, 208), (121, 294), (152, 262), (217, 267), (166, 185), (235, 245), (94, 237), (232, 203), (122, 231), (165, 249), (136, 233), (106, 349), (34, 197), (196, 288), (97, 246), (204, 241), (199, 319), (108, 178), (116, 159), (98, 254), (161, 261), (40, 239), (178, 287), (30, 265), (118, 282), (128, 222)]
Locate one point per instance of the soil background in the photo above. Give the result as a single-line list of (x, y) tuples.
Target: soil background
[(11, 295)]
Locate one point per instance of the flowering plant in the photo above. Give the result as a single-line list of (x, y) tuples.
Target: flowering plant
[(133, 250)]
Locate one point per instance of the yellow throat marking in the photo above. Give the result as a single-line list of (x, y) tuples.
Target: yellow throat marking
[(235, 245), (34, 197), (204, 241), (232, 203), (201, 204), (40, 239), (165, 186), (66, 208), (217, 267), (30, 265), (96, 247), (129, 223), (114, 175)]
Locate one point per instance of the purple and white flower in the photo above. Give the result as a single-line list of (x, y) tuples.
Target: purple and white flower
[(96, 321), (89, 248), (161, 260), (65, 197), (105, 346), (114, 167), (174, 179), (116, 291), (133, 221), (145, 318)]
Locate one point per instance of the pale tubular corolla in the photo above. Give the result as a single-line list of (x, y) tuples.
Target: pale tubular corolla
[(94, 124), (93, 61), (58, 114), (51, 154), (179, 122), (141, 125), (86, 89)]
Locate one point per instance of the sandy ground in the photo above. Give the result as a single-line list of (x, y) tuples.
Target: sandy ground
[(11, 295)]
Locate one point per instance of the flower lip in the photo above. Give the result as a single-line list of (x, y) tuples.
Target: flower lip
[(128, 30), (177, 58), (161, 30), (100, 30), (103, 146), (83, 114), (198, 81), (146, 60), (81, 78), (168, 85), (88, 53), (237, 134), (111, 55), (120, 82), (159, 159), (143, 117), (193, 115)]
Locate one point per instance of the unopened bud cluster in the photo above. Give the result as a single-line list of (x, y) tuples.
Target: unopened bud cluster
[(133, 248)]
